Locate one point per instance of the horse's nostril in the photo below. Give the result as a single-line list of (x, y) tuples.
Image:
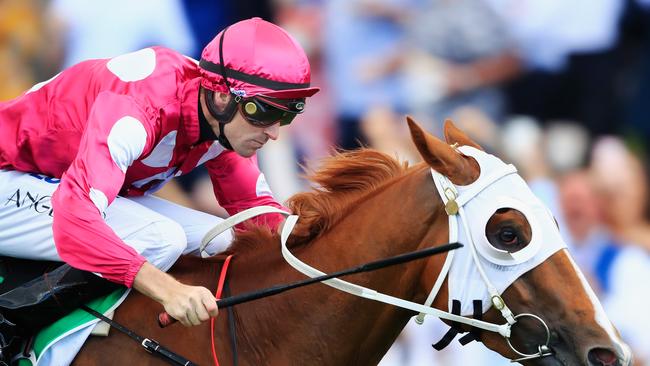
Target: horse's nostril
[(602, 357)]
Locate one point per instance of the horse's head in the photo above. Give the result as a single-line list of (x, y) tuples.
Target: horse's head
[(515, 255)]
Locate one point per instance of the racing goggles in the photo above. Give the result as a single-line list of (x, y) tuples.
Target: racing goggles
[(266, 111)]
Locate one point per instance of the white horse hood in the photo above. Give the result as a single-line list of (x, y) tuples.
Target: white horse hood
[(500, 187)]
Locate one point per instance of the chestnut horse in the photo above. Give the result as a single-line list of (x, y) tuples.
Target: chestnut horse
[(368, 206)]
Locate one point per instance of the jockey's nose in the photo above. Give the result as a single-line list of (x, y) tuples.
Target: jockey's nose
[(273, 132)]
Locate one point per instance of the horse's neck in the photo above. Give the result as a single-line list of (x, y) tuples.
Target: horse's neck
[(307, 324)]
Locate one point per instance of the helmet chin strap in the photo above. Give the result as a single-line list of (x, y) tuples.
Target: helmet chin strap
[(223, 140), (223, 117)]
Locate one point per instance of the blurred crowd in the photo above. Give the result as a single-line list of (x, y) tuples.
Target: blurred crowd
[(559, 88)]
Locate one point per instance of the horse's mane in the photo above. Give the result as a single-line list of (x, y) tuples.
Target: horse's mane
[(342, 180)]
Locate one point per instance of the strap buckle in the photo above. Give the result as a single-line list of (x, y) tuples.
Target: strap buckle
[(451, 207), (150, 345)]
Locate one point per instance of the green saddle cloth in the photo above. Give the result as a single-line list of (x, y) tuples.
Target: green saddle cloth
[(71, 323)]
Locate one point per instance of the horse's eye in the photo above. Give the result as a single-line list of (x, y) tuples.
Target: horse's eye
[(508, 230), (508, 236)]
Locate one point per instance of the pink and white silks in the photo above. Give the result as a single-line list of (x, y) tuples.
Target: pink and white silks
[(122, 126)]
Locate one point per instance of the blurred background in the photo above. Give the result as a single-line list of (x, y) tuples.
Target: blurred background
[(559, 88)]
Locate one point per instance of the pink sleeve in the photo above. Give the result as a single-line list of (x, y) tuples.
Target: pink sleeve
[(239, 184), (114, 137)]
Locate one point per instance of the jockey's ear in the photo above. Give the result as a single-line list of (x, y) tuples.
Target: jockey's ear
[(442, 157), (453, 135)]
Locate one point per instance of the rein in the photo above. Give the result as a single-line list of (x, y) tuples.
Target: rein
[(149, 345), (503, 329), (222, 281), (153, 346)]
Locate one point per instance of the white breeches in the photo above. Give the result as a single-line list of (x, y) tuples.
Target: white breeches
[(159, 230)]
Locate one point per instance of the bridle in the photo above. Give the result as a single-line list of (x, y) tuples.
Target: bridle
[(454, 206)]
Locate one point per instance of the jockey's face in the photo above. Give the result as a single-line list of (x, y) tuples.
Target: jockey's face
[(244, 137)]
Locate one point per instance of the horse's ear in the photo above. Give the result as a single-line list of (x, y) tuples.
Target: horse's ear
[(443, 158), (454, 135), (438, 154)]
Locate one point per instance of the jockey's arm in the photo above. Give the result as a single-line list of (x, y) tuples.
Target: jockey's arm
[(117, 134)]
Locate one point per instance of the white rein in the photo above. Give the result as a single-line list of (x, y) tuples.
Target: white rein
[(503, 329)]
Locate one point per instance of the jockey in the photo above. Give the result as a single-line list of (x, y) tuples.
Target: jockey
[(79, 154)]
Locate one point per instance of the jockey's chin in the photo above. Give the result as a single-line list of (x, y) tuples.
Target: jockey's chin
[(247, 148)]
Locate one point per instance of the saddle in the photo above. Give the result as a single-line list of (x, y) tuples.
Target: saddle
[(34, 294)]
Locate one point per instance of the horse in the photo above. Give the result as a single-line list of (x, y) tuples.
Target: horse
[(366, 206)]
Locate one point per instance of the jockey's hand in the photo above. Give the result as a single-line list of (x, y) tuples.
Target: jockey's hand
[(188, 304)]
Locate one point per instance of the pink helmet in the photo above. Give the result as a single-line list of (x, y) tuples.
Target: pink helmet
[(257, 58)]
